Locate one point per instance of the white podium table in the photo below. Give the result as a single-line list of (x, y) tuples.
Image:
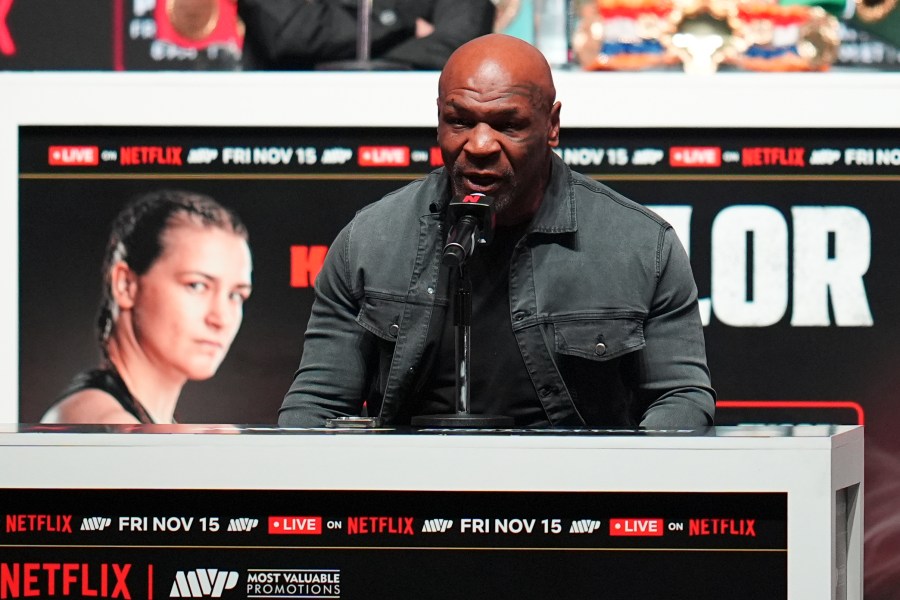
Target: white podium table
[(261, 512)]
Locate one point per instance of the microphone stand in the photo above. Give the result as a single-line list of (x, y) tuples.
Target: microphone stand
[(462, 321), (363, 61)]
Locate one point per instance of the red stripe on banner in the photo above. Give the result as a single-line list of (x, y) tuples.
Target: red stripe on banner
[(149, 582), (7, 47), (856, 406), (118, 32)]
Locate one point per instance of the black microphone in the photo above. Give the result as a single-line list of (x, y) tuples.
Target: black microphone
[(473, 218)]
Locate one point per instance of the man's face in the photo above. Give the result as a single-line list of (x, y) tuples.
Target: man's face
[(495, 135)]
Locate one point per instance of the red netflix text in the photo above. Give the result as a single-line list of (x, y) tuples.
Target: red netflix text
[(48, 523), (150, 155), (744, 527), (47, 580), (391, 525), (779, 157)]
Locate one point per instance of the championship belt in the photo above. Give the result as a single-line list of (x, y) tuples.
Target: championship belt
[(702, 35), (624, 34), (785, 38)]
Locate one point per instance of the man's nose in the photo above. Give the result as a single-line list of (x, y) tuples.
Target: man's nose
[(482, 141)]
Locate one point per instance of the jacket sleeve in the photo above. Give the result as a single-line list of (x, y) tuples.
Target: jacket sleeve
[(337, 352), (674, 381)]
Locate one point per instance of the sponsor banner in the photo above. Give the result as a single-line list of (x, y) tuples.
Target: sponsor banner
[(180, 544)]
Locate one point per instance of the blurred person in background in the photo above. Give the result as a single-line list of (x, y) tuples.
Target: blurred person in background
[(176, 273), (416, 34)]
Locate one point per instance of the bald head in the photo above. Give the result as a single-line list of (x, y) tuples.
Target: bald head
[(498, 122), (501, 60)]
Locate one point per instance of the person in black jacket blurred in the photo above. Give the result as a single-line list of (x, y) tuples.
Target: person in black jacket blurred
[(418, 34)]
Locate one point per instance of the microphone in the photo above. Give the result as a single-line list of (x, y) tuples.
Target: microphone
[(473, 223)]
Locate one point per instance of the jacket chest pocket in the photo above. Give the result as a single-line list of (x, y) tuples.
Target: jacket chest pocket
[(599, 339), (381, 316)]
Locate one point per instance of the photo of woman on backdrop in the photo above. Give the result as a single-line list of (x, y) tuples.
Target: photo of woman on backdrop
[(176, 273)]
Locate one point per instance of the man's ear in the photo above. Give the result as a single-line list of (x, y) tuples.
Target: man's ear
[(553, 133), (124, 285)]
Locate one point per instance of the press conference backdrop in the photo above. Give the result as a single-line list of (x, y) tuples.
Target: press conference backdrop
[(791, 233)]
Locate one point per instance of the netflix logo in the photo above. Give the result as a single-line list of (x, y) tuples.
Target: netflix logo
[(48, 523), (741, 527), (76, 580), (150, 155), (773, 157), (636, 527), (382, 525), (295, 525), (383, 156), (73, 156)]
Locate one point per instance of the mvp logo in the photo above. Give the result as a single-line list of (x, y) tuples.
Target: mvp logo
[(203, 583)]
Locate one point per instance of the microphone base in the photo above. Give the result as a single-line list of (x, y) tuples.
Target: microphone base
[(463, 420)]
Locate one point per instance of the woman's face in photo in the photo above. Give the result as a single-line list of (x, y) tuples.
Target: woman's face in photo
[(189, 305)]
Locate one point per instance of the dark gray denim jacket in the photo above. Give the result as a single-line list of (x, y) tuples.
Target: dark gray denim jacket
[(602, 301)]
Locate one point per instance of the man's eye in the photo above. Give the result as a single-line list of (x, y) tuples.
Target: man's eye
[(197, 286)]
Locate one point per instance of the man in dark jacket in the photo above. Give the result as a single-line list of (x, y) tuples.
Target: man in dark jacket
[(416, 34), (584, 306)]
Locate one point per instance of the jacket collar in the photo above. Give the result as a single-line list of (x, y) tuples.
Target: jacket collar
[(556, 213)]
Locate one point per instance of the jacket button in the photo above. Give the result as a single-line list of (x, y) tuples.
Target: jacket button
[(394, 330), (600, 349), (518, 316)]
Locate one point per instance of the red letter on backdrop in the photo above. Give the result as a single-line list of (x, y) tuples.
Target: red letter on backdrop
[(7, 46), (306, 262)]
